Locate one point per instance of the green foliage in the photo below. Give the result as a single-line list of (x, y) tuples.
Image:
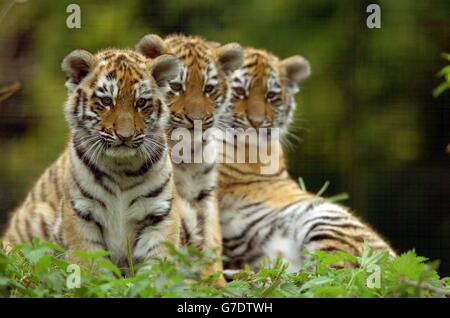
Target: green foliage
[(38, 270), (445, 73), (335, 198)]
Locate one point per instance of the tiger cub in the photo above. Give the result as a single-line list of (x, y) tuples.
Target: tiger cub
[(197, 96), (112, 188), (268, 214)]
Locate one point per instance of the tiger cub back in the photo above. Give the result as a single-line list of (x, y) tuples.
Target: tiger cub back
[(264, 215), (112, 188)]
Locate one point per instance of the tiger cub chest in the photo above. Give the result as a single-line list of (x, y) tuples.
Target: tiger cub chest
[(115, 219)]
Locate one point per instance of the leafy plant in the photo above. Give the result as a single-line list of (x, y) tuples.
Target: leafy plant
[(38, 270), (445, 73)]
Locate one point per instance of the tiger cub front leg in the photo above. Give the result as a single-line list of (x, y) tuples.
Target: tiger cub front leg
[(80, 232), (213, 240), (153, 231)]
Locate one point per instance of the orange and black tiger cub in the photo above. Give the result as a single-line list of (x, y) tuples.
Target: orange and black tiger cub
[(197, 97), (113, 186), (266, 215)]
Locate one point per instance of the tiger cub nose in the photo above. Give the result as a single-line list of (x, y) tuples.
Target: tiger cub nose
[(256, 122), (125, 134)]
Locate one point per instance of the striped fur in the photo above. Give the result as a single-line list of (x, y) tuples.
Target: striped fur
[(112, 188), (199, 93), (264, 216)]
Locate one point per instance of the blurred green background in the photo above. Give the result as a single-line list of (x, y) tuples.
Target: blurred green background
[(366, 121)]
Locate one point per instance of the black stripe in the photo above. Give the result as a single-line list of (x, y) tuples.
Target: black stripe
[(252, 242), (77, 101), (151, 220), (186, 235), (316, 225), (87, 216), (153, 193), (86, 194), (251, 64), (356, 238), (242, 183), (250, 205), (150, 249), (22, 238), (325, 236), (28, 230), (245, 230), (55, 181), (324, 218), (156, 157), (208, 169), (203, 194), (44, 228), (287, 206), (201, 226), (96, 172), (233, 168)]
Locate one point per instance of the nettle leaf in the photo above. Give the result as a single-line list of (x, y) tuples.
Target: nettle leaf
[(328, 258), (110, 266), (53, 246), (322, 280), (237, 287), (29, 271), (347, 257), (441, 88), (409, 264), (444, 71), (34, 254), (91, 255)]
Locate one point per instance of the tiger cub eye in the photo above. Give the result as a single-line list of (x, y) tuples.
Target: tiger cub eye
[(176, 87), (271, 95), (209, 88), (239, 91), (141, 102), (106, 101)]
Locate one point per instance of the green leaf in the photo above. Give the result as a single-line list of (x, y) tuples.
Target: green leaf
[(110, 266), (302, 184), (338, 197), (446, 56), (321, 280), (91, 255), (409, 265), (323, 189)]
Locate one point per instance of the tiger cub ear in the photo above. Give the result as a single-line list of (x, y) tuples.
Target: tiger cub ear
[(77, 65), (165, 68), (296, 69), (151, 46), (230, 57)]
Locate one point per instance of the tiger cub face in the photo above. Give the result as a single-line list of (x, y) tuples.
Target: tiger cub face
[(200, 91), (263, 90), (115, 106)]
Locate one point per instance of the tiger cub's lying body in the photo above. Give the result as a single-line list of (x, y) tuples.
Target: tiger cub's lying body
[(113, 185), (269, 215), (196, 97)]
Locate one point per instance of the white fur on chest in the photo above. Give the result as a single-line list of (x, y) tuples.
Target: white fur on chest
[(119, 212)]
